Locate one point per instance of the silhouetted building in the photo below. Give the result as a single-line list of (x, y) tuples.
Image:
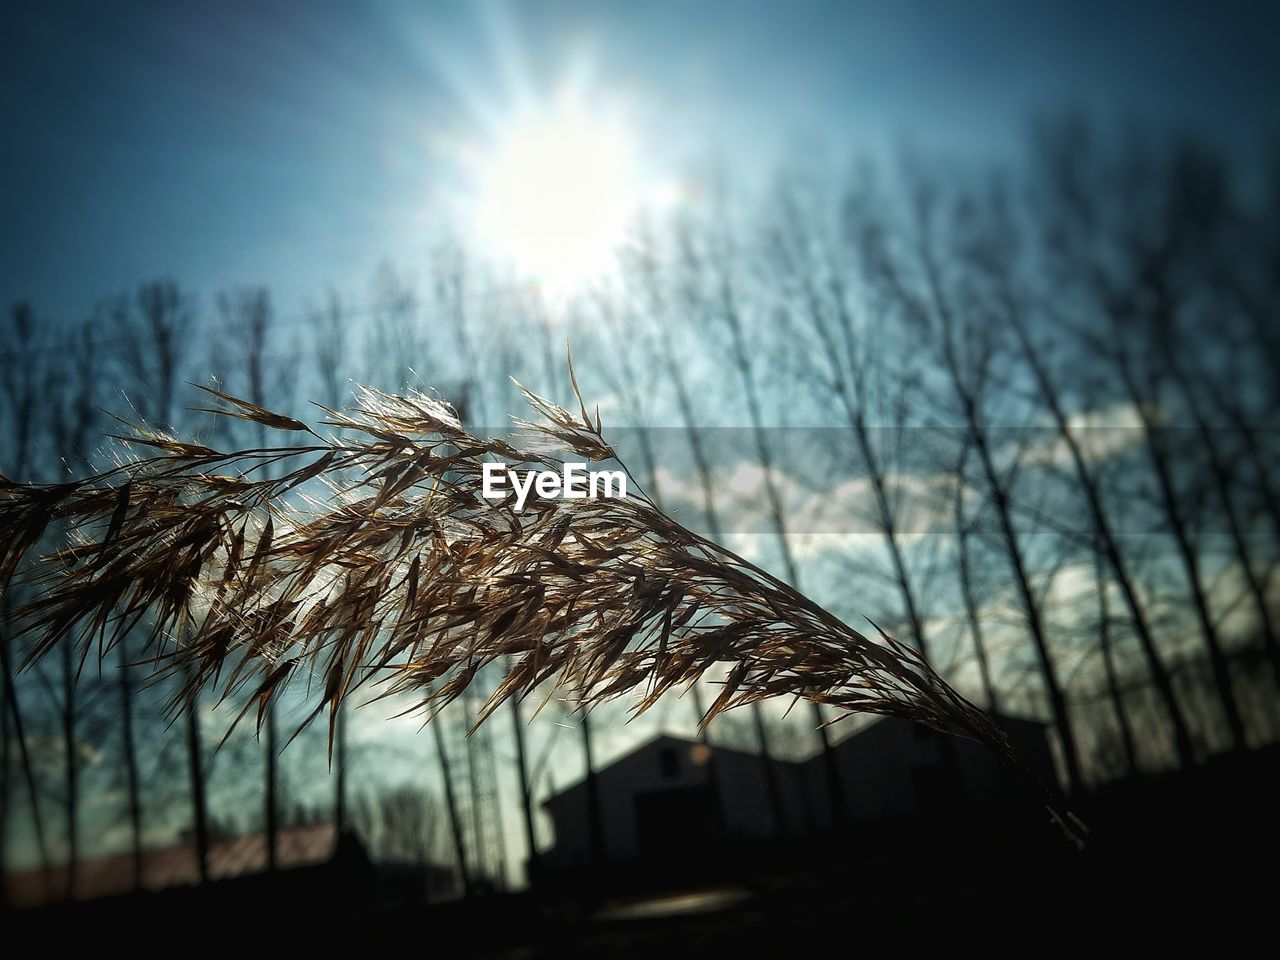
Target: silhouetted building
[(674, 797), (894, 769), (671, 796)]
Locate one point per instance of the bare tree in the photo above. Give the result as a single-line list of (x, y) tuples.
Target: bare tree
[(249, 320), (1106, 647), (329, 344), (962, 337), (153, 333), (658, 305), (964, 567), (19, 380), (1131, 295), (451, 802), (849, 361), (990, 249), (451, 292), (72, 404), (1222, 474), (398, 346), (410, 825)]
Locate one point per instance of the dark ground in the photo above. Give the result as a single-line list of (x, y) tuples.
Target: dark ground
[(1166, 858)]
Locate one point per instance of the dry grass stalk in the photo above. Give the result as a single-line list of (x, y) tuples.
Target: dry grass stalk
[(407, 580)]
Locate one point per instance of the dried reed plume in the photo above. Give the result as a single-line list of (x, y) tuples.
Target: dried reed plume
[(377, 562)]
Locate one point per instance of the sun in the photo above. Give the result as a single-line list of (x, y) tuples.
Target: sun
[(558, 193)]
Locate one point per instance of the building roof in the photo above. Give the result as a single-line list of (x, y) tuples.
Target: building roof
[(664, 739), (1002, 720)]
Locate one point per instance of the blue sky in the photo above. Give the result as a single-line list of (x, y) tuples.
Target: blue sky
[(300, 144)]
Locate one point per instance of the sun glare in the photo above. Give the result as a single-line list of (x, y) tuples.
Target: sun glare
[(557, 195)]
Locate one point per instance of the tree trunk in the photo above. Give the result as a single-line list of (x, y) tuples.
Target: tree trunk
[(1101, 526), (526, 797), (967, 593), (24, 756), (132, 780), (200, 815), (977, 437), (451, 801), (273, 781), (599, 850), (1187, 555), (1235, 526), (1109, 667), (340, 815), (71, 767), (1031, 608)]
